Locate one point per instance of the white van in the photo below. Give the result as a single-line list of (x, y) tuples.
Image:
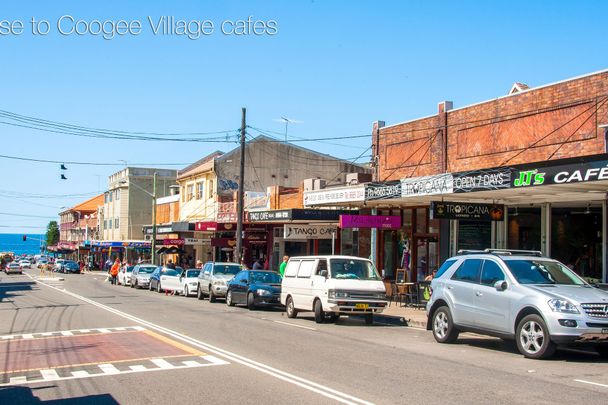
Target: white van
[(332, 285)]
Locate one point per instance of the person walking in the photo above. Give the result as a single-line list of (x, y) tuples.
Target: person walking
[(170, 264), (258, 264), (114, 271), (283, 265)]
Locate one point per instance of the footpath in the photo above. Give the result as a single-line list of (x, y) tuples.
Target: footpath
[(408, 316)]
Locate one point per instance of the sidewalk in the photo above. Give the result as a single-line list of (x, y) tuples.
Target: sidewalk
[(411, 316)]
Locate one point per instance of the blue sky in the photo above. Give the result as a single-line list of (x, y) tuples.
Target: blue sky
[(336, 66)]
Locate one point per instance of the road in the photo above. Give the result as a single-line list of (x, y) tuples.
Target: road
[(84, 340)]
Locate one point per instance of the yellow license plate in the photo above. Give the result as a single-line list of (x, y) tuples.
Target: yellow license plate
[(362, 306)]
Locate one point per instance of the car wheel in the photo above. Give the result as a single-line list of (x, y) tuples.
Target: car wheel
[(250, 301), (443, 326), (319, 314), (290, 308), (229, 301), (199, 293), (211, 295), (533, 338), (602, 350), (186, 292), (159, 288)]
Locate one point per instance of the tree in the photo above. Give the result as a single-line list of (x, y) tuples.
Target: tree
[(52, 233)]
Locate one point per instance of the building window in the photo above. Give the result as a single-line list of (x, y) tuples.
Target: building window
[(110, 196), (210, 188), (109, 224), (189, 192), (116, 222), (117, 196), (105, 197), (199, 190)]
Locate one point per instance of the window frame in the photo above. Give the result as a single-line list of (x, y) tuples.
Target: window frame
[(311, 268), (504, 275), (290, 265), (476, 281)]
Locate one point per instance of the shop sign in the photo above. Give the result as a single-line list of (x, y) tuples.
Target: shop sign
[(223, 242), (256, 200), (132, 244), (197, 241), (465, 210), (177, 242), (370, 221), (205, 226), (482, 180), (334, 195), (302, 231), (226, 217), (427, 185), (562, 174), (275, 215), (382, 191)]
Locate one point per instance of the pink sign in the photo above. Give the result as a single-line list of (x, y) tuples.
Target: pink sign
[(205, 226), (370, 221)]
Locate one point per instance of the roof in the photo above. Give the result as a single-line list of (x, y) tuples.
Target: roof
[(89, 205), (189, 170)]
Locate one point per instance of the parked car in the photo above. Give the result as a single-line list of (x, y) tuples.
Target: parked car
[(25, 264), (13, 267), (254, 288), (213, 278), (124, 275), (332, 285), (140, 276), (189, 281), (70, 266), (165, 279), (520, 295), (58, 266)]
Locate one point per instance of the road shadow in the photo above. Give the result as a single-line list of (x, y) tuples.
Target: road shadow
[(582, 354), (25, 396), (9, 289)]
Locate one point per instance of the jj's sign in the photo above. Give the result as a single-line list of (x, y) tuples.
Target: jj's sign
[(562, 174)]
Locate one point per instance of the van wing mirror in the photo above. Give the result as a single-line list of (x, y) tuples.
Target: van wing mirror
[(323, 273), (501, 285)]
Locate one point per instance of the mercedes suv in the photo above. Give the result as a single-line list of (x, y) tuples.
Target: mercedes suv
[(520, 295)]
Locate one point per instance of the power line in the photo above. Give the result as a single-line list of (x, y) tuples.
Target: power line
[(26, 215), (88, 163)]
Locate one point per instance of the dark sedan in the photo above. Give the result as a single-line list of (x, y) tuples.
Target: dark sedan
[(70, 266), (254, 288)]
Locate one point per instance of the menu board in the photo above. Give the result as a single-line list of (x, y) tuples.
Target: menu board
[(474, 235)]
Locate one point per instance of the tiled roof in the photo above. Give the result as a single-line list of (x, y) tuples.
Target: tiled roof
[(89, 205)]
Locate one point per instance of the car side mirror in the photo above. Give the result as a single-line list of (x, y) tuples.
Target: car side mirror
[(243, 281), (501, 285), (323, 273)]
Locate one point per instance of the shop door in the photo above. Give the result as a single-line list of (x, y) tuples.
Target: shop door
[(427, 256)]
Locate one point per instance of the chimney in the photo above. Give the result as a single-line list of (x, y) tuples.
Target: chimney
[(443, 108)]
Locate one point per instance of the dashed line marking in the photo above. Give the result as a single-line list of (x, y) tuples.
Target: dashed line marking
[(138, 367), (49, 374), (592, 383), (80, 373), (161, 363), (294, 325)]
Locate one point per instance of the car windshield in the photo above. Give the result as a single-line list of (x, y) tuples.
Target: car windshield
[(226, 269), (171, 272), (146, 270), (542, 272), (265, 277), (192, 273), (353, 269)]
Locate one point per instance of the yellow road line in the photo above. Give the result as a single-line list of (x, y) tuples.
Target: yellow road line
[(175, 344)]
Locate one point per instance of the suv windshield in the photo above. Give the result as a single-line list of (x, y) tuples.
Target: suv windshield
[(542, 272), (226, 269), (353, 269)]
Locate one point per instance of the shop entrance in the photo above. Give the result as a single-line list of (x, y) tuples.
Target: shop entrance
[(426, 255)]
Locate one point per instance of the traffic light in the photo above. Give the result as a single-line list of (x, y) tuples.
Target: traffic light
[(24, 238)]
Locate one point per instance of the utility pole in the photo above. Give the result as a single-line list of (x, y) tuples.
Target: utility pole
[(239, 204), (153, 247)]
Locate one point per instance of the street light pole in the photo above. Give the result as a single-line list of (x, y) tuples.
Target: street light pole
[(153, 247)]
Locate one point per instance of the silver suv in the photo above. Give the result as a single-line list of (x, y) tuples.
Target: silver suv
[(213, 279), (518, 295)]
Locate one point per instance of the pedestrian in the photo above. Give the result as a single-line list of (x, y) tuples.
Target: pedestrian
[(244, 265), (431, 276), (170, 264), (114, 271), (258, 264), (199, 264), (283, 265)]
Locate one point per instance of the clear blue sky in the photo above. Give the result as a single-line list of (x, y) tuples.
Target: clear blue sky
[(336, 66)]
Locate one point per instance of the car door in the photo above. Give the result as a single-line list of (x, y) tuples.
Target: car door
[(318, 281), (239, 287), (303, 294), (205, 277), (462, 290), (493, 304)]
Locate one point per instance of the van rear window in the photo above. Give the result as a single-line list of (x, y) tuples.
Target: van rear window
[(292, 268)]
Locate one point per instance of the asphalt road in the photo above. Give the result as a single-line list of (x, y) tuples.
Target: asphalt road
[(243, 356)]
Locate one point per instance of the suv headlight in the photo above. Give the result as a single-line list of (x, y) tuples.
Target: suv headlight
[(337, 294), (562, 306), (261, 292), (219, 281)]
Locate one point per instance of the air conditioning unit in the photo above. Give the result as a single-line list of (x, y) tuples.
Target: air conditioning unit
[(309, 184), (278, 233), (320, 184), (358, 178)]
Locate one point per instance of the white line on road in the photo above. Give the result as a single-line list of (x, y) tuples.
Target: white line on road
[(109, 369), (80, 374), (49, 374), (162, 363), (282, 375), (294, 325), (592, 383)]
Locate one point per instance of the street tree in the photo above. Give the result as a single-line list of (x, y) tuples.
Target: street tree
[(52, 233)]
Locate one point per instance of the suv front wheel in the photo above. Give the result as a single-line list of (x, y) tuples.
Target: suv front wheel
[(533, 339), (443, 326)]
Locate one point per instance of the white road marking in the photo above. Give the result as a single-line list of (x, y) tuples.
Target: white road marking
[(108, 369), (49, 374), (592, 383), (103, 330), (18, 380), (138, 367), (294, 325), (162, 363), (81, 374), (72, 331), (67, 333), (282, 375), (191, 363), (27, 336), (7, 337), (214, 360)]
